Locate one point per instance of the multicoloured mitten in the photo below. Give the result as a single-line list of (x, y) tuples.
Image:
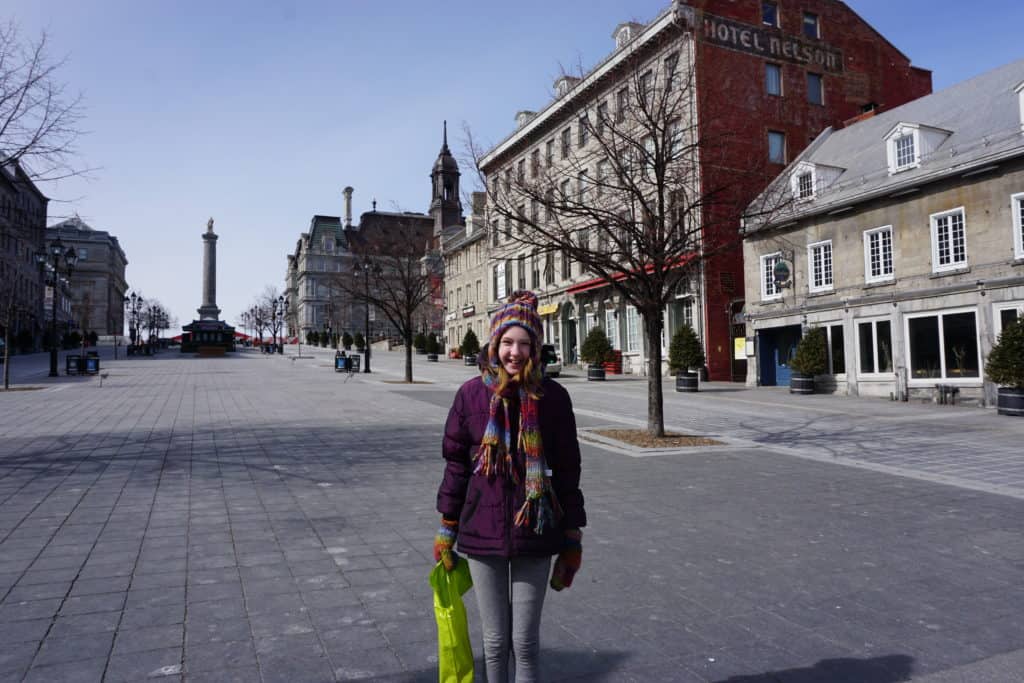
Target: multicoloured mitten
[(444, 544), (569, 560)]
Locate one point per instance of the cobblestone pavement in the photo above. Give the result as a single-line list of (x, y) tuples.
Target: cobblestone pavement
[(261, 518)]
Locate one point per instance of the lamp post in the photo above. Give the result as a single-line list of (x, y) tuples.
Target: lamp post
[(280, 308), (133, 305), (364, 267), (57, 260)]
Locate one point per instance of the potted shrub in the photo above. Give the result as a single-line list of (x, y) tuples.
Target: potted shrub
[(595, 350), (346, 341), (1005, 367), (312, 337), (685, 357), (359, 342), (432, 347), (419, 342), (810, 359), (470, 347)]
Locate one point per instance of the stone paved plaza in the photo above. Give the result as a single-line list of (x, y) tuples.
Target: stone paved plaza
[(260, 518)]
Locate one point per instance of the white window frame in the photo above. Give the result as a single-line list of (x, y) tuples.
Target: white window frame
[(940, 314), (1017, 212), (768, 261), (632, 329), (997, 318), (934, 221), (827, 274), (903, 131), (827, 326), (884, 277), (873, 321), (611, 324), (802, 171)]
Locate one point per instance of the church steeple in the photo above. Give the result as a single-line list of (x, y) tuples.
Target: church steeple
[(445, 205)]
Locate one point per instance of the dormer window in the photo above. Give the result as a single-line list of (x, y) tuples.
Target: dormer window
[(802, 182), (623, 36), (564, 84), (904, 149), (328, 243), (1020, 103), (907, 144), (624, 33)]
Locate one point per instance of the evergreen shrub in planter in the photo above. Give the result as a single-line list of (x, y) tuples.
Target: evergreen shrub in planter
[(346, 341), (685, 357), (595, 351), (810, 359), (359, 341), (432, 347), (470, 347), (1005, 367), (419, 342)]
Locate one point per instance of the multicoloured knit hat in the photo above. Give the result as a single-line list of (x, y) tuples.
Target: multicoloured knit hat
[(521, 310)]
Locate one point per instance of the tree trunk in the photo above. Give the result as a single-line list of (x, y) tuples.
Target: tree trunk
[(655, 398), (408, 353)]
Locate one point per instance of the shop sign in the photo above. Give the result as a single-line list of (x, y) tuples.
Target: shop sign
[(468, 311), (769, 42)]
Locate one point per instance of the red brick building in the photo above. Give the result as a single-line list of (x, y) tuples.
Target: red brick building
[(770, 77)]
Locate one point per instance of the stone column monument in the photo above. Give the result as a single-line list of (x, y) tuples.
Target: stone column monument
[(209, 310), (209, 335)]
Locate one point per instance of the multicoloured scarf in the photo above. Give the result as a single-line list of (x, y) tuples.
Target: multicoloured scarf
[(495, 455)]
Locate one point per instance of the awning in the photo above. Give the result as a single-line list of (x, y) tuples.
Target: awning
[(547, 309), (599, 282)]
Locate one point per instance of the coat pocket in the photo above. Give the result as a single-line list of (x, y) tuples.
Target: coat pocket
[(482, 515)]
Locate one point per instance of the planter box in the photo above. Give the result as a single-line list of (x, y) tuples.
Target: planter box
[(470, 359), (801, 384), (686, 382), (432, 357), (595, 373), (1010, 401)]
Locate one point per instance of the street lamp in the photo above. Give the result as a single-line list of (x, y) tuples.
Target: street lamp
[(280, 309), (364, 268), (57, 260), (133, 306)]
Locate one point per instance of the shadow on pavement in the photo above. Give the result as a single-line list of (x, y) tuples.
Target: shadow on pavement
[(886, 669)]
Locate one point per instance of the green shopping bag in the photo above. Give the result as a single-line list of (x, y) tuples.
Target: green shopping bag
[(454, 655)]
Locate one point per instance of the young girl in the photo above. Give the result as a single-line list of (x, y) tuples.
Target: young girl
[(510, 492)]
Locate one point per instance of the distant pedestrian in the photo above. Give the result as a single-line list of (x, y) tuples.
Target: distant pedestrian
[(510, 493)]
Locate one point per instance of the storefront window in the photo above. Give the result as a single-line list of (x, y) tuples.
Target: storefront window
[(944, 346), (837, 351), (874, 342)]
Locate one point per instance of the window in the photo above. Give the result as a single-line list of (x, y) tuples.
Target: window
[(534, 163), (943, 345), (494, 233), (621, 104), (535, 211), (566, 266), (581, 187), (769, 14), (904, 148), (878, 254), (566, 142), (549, 268), (583, 131), (508, 229), (644, 88), (805, 185), (534, 270), (549, 153), (770, 289), (328, 243), (812, 29), (874, 347), (509, 275), (602, 117), (521, 170), (632, 329), (602, 173), (949, 240), (773, 79), (566, 192), (611, 326), (1005, 314), (1017, 209), (521, 213), (521, 272), (819, 259), (815, 94), (499, 282), (672, 72), (589, 322), (776, 147), (478, 287), (83, 255), (508, 180), (836, 349)]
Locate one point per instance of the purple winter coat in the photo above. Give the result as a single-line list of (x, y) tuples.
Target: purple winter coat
[(485, 505)]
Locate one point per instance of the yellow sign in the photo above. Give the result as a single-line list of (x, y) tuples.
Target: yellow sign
[(739, 348), (547, 309)]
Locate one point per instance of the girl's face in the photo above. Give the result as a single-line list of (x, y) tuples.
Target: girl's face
[(514, 349)]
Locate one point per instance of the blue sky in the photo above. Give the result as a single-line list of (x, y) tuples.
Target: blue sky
[(259, 113)]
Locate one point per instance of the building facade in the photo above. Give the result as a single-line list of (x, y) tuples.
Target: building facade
[(98, 284), (904, 241), (767, 78), (314, 301), (22, 284), (466, 278)]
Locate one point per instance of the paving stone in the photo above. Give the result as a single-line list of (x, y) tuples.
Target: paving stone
[(155, 665), (74, 648), (84, 624), (140, 639), (86, 604), (16, 657), (220, 655), (28, 609), (217, 631), (80, 671)]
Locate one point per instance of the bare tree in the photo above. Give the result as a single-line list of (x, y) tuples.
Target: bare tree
[(39, 119), (395, 275), (629, 199)]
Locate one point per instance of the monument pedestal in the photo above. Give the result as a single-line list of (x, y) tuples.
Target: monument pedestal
[(202, 334)]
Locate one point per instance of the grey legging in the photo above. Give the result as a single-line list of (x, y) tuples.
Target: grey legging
[(494, 594)]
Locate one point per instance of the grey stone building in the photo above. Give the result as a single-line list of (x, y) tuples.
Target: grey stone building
[(98, 282), (904, 240), (320, 255), (22, 285), (466, 282)]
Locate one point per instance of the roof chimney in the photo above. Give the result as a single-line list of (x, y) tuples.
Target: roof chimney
[(348, 206)]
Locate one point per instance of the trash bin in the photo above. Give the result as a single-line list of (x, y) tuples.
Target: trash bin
[(92, 364), (356, 360), (340, 363), (72, 364)]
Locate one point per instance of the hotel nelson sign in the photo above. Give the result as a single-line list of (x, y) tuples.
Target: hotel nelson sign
[(771, 43)]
